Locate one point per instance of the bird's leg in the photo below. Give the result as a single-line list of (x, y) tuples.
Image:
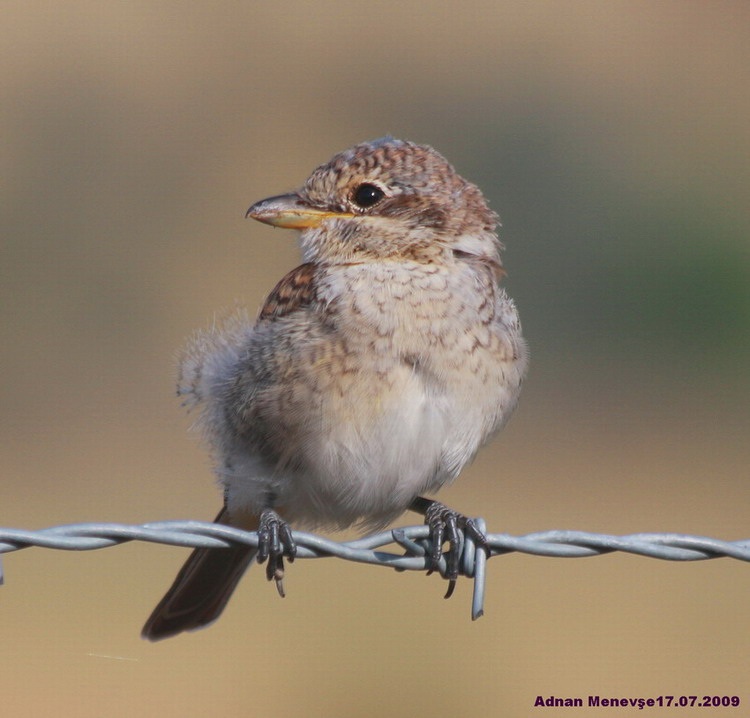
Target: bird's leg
[(444, 524), (274, 542)]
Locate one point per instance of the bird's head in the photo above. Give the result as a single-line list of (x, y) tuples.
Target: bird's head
[(386, 199)]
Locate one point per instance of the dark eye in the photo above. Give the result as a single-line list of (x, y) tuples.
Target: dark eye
[(367, 195)]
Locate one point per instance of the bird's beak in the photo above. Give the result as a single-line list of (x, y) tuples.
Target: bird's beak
[(291, 212)]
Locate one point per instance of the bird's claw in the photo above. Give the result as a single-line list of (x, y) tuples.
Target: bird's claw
[(446, 526), (274, 542)]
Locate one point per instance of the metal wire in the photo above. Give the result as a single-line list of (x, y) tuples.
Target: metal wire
[(414, 540)]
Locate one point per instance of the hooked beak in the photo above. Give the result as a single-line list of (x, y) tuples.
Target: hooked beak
[(291, 212)]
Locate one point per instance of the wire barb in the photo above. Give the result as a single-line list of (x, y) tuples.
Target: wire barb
[(413, 540)]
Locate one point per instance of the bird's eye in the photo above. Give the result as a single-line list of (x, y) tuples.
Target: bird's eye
[(367, 195)]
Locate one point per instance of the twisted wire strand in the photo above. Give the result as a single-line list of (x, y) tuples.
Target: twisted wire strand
[(413, 540)]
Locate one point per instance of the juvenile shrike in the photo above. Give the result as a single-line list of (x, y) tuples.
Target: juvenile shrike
[(372, 375)]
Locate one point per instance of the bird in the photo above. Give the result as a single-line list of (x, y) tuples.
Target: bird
[(371, 376)]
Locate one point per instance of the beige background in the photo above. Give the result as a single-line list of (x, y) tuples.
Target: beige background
[(613, 139)]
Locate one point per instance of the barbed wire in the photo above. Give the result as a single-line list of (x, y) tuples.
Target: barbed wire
[(414, 540)]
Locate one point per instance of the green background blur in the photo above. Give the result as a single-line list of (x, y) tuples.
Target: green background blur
[(614, 140)]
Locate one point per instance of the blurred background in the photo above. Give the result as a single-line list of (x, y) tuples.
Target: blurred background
[(613, 140)]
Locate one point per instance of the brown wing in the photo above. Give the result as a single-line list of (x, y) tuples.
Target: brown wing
[(295, 290)]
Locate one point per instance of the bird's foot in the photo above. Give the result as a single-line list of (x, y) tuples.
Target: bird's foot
[(274, 542), (446, 527)]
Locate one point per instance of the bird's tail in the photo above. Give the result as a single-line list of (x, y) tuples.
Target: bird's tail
[(201, 589)]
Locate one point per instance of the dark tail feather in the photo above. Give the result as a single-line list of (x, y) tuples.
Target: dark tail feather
[(201, 590)]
